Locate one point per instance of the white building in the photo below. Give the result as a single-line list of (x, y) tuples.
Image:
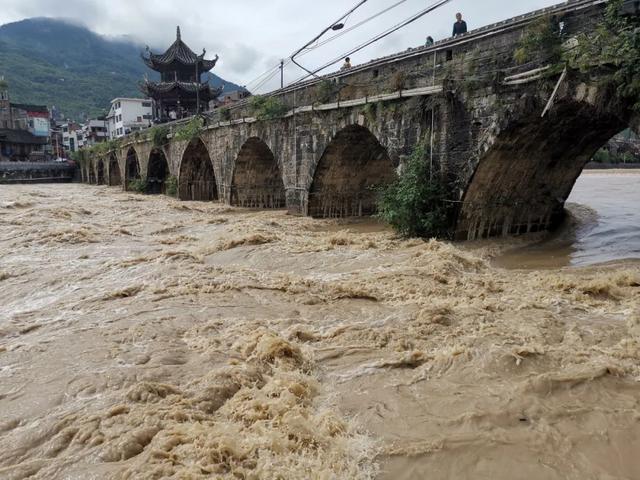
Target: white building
[(128, 115), (72, 137)]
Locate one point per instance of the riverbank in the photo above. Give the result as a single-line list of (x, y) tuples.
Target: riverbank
[(612, 166), (143, 337)]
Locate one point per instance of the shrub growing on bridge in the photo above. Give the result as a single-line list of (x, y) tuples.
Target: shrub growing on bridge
[(190, 130), (414, 204), (266, 108), (540, 38), (614, 47), (158, 136)]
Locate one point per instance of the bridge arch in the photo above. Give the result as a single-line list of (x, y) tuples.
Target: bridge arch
[(352, 164), (157, 171), (521, 183), (257, 180), (100, 172), (115, 177), (196, 180), (132, 167)]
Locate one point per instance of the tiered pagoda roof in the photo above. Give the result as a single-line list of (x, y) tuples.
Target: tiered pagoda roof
[(178, 54), (154, 89)]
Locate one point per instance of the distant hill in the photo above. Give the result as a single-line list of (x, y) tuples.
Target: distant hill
[(53, 62)]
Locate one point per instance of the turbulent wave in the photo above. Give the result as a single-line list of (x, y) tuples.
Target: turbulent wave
[(190, 340)]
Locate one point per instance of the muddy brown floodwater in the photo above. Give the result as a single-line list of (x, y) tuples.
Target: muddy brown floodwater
[(142, 337)]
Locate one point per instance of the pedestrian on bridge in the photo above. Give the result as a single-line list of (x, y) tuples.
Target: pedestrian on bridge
[(429, 42), (460, 27), (347, 64)]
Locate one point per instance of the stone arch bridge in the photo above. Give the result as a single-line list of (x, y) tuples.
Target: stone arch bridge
[(509, 167)]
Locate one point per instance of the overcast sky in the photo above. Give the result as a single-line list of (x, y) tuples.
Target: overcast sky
[(251, 36)]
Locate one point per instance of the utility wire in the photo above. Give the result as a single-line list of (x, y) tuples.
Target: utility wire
[(357, 25), (342, 18), (375, 39), (269, 74)]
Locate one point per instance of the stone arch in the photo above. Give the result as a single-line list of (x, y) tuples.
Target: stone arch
[(100, 172), (257, 181), (521, 183), (132, 167), (115, 177), (351, 165), (157, 171), (197, 180)]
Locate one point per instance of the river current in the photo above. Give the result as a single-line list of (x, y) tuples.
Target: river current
[(145, 338), (603, 225)]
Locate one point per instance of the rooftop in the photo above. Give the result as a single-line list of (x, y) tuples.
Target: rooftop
[(178, 53), (21, 136)]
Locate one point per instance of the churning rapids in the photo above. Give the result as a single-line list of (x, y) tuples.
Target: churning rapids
[(146, 338)]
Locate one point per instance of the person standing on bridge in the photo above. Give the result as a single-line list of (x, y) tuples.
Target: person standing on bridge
[(347, 64), (460, 27)]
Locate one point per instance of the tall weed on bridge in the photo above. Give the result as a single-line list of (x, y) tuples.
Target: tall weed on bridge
[(613, 47), (190, 130), (267, 108)]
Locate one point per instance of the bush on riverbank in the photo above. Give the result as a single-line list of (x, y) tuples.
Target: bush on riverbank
[(137, 185), (171, 186), (414, 204)]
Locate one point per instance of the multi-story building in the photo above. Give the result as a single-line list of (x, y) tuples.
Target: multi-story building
[(128, 115), (72, 136), (94, 131), (24, 129)]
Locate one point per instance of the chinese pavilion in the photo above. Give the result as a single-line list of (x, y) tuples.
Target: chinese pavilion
[(180, 91)]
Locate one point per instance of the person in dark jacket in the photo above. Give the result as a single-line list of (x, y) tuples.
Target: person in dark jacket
[(460, 27)]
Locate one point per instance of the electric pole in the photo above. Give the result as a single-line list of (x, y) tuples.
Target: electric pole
[(282, 73)]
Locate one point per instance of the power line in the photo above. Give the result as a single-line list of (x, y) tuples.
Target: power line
[(334, 24), (269, 74), (357, 25), (377, 38)]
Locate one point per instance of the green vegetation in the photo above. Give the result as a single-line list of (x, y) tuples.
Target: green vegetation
[(81, 157), (605, 156), (540, 38), (325, 91), (371, 111), (4, 84), (137, 185), (103, 148), (414, 204), (158, 135), (225, 114), (171, 186), (267, 108), (614, 47), (190, 130)]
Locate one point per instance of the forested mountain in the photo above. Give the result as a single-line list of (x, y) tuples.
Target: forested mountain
[(53, 62)]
